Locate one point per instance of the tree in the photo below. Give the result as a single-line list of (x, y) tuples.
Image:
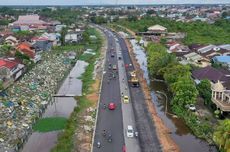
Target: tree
[(63, 34), (204, 89), (221, 135), (184, 91), (158, 59), (176, 71), (5, 49)]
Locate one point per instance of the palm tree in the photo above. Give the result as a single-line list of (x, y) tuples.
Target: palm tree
[(221, 135)]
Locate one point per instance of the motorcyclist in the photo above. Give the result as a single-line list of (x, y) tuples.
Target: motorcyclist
[(104, 133), (109, 138), (104, 105), (98, 144)]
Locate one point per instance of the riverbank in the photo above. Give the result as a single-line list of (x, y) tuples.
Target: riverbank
[(78, 132)]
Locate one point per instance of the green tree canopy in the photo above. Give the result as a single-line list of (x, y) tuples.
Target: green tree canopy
[(176, 71), (158, 59), (221, 135), (204, 88), (184, 91)]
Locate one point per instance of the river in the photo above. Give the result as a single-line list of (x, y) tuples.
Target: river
[(180, 133), (60, 107)]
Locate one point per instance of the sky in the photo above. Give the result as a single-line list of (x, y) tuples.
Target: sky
[(100, 2)]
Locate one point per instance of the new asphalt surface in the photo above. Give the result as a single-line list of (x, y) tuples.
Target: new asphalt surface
[(145, 126)]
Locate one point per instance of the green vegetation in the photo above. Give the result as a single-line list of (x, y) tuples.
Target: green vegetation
[(4, 22), (64, 15), (50, 124), (221, 135), (13, 12), (5, 49), (204, 88), (98, 19), (178, 78), (197, 32), (65, 140), (63, 34)]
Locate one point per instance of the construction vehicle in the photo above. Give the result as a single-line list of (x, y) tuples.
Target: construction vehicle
[(134, 79)]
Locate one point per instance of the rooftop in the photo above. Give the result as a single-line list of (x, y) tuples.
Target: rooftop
[(211, 74), (7, 63), (29, 19), (157, 28), (223, 59)]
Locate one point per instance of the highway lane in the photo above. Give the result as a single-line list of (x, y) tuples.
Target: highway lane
[(147, 134), (109, 120)]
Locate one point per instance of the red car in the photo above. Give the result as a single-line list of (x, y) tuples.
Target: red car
[(112, 106), (123, 148)]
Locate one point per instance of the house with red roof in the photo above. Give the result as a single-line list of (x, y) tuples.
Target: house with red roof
[(10, 69), (27, 49)]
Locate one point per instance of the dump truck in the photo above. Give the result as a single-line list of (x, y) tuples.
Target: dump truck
[(134, 79)]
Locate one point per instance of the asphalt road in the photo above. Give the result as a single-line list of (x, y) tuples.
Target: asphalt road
[(115, 121), (145, 126), (108, 120)]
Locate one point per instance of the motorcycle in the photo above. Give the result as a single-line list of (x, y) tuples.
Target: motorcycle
[(136, 134), (104, 133), (110, 138), (98, 144), (104, 106)]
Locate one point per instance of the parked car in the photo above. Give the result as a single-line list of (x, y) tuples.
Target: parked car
[(130, 132), (191, 107)]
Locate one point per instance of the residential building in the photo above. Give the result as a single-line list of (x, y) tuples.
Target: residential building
[(27, 49), (11, 40), (223, 60), (220, 85), (10, 69), (73, 37), (196, 59)]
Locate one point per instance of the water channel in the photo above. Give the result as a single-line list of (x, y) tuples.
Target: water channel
[(60, 107), (180, 133)]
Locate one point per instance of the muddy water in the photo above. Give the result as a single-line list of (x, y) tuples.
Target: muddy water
[(181, 134), (60, 107)]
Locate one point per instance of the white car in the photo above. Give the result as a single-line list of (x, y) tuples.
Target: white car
[(191, 107), (130, 132)]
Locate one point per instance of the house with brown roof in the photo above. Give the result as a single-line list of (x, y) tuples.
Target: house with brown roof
[(30, 22), (220, 85)]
